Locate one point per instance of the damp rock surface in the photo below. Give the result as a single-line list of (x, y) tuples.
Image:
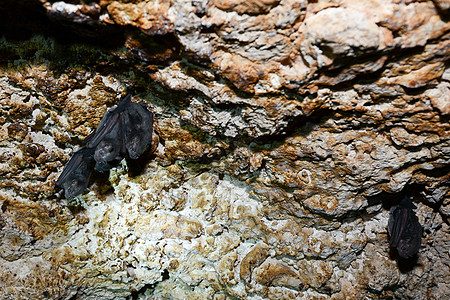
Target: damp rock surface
[(287, 130)]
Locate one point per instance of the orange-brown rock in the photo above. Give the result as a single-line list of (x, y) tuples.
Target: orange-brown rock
[(252, 260), (252, 7), (276, 273)]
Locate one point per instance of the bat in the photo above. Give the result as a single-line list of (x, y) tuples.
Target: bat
[(107, 139), (138, 129), (77, 172), (127, 129), (405, 232)]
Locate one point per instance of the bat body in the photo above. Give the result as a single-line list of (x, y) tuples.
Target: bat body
[(126, 129), (405, 232), (77, 172), (110, 150), (108, 138)]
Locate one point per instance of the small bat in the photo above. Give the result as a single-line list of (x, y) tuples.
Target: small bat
[(125, 129), (77, 172), (138, 129), (405, 232)]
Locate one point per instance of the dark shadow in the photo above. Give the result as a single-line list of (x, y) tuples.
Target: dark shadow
[(147, 287), (137, 166), (389, 200), (404, 265), (443, 13), (155, 50), (20, 19), (100, 183), (5, 205)]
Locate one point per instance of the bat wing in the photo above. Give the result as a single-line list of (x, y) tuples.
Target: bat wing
[(124, 103), (88, 138), (398, 222), (106, 125), (108, 122), (400, 219), (410, 242)]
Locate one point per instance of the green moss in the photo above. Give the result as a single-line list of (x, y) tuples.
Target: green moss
[(45, 50)]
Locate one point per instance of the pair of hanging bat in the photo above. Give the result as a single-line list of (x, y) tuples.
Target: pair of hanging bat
[(405, 232), (127, 129)]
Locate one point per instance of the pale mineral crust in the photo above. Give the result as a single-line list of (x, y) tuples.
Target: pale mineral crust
[(287, 129)]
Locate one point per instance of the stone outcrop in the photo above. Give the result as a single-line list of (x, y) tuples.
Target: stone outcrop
[(287, 129)]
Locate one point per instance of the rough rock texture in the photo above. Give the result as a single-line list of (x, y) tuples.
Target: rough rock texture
[(287, 130)]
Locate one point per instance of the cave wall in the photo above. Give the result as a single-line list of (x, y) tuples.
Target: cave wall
[(287, 130)]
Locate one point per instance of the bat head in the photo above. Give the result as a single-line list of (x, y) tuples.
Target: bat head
[(135, 147), (409, 246), (107, 154), (107, 150), (74, 187)]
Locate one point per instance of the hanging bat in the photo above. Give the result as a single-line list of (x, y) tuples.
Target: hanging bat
[(405, 232), (125, 129), (138, 129), (77, 172)]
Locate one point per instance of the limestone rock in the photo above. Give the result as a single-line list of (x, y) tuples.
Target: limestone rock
[(255, 7), (440, 97), (274, 273), (339, 32)]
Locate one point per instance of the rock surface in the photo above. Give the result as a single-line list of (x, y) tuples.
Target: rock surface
[(287, 129)]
